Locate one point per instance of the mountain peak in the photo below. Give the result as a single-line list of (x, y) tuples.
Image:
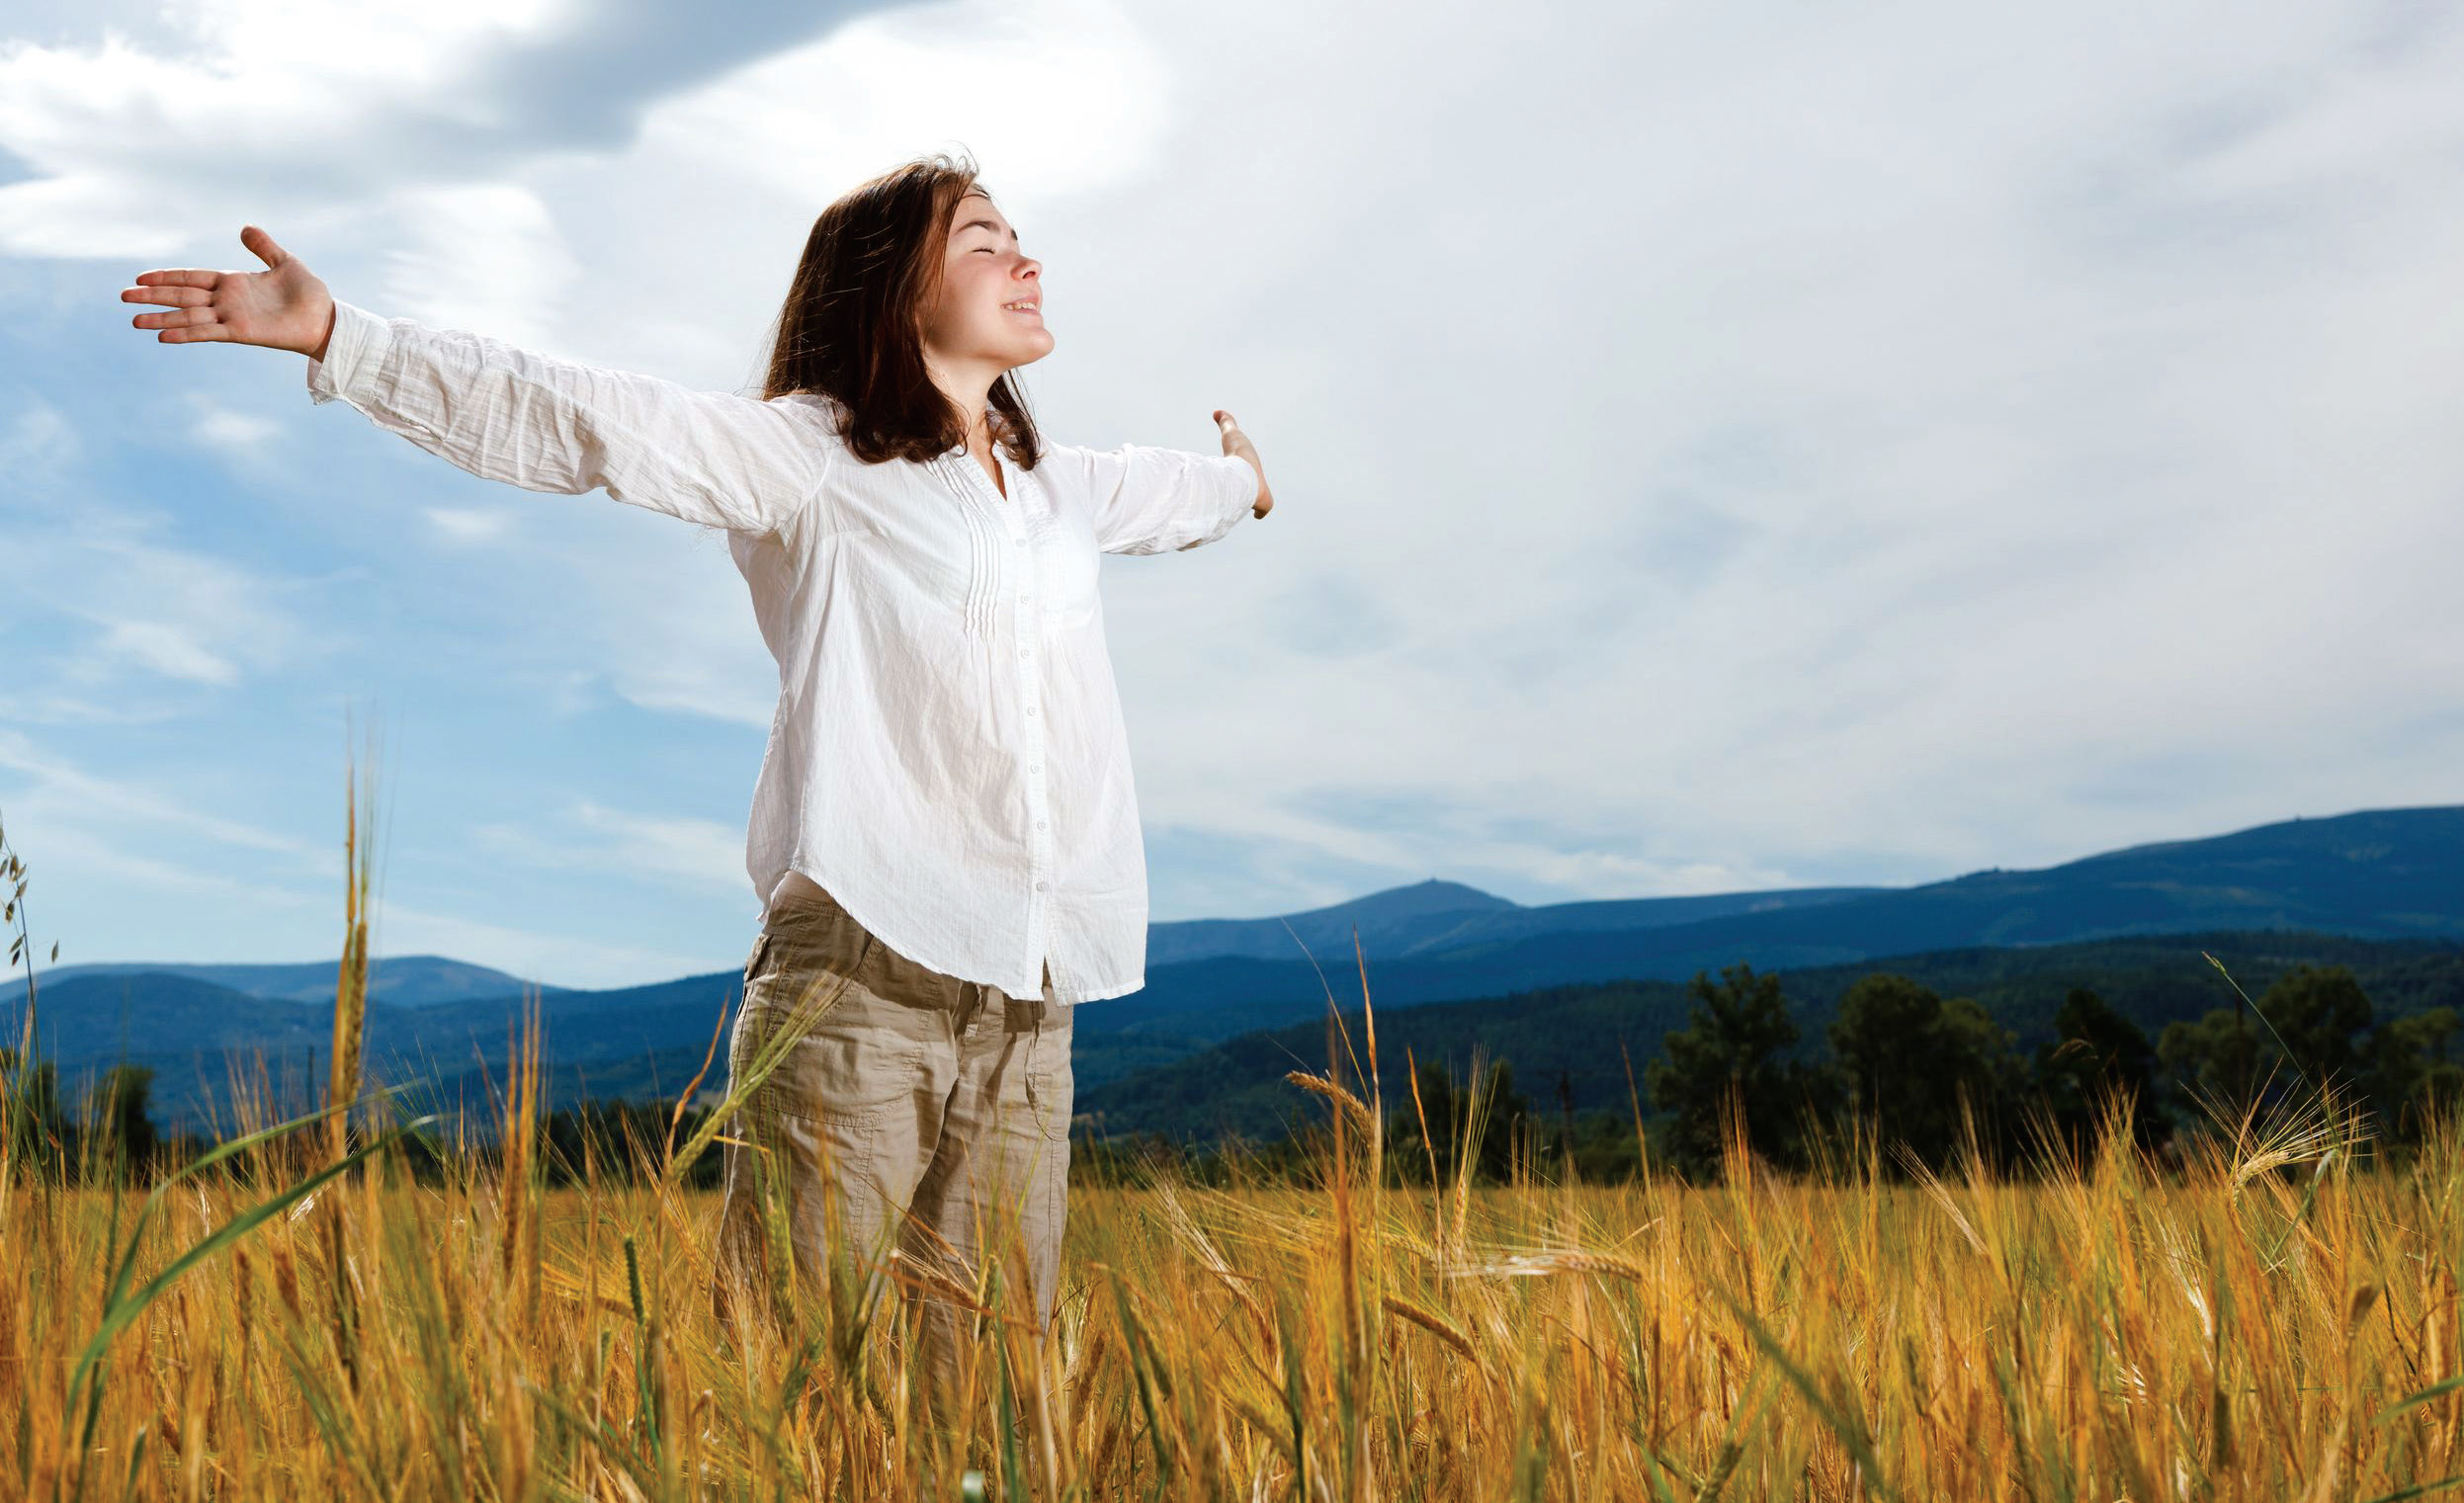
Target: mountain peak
[(1431, 896)]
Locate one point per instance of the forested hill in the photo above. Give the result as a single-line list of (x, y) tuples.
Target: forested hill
[(1570, 1046)]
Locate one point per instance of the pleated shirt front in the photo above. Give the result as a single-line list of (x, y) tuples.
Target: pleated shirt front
[(948, 756)]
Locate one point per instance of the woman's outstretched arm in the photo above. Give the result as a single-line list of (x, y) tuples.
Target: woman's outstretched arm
[(505, 413), (1164, 500)]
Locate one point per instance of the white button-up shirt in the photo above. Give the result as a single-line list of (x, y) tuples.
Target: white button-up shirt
[(948, 756)]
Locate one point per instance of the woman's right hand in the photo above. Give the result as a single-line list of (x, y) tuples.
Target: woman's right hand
[(1236, 442), (283, 307)]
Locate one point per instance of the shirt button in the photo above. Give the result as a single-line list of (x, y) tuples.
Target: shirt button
[(1024, 599), (1026, 652), (1035, 767), (1038, 887), (1038, 824), (1031, 709)]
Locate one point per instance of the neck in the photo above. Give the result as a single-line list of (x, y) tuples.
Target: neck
[(968, 386)]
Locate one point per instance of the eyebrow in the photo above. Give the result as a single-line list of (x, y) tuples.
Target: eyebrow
[(984, 224)]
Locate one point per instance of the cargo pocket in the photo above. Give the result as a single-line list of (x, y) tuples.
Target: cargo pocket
[(800, 975), (1051, 1082), (754, 962)]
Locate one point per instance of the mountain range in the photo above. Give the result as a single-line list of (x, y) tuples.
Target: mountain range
[(2388, 875)]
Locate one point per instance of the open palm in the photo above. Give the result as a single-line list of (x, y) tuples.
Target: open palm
[(283, 307)]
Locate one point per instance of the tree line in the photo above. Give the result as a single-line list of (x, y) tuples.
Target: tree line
[(1898, 1063), (1904, 1062), (1899, 1068), (107, 1134)]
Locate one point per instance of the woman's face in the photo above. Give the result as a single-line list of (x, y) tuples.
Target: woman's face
[(990, 309)]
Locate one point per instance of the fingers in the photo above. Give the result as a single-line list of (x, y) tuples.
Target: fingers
[(178, 318), (191, 317), (177, 297), (1226, 425)]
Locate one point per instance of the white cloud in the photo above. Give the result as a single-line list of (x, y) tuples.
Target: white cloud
[(134, 876), (1913, 425), (185, 615), (241, 434), (1714, 447), (483, 256), (586, 836), (103, 592), (67, 790), (167, 650), (550, 959), (37, 444), (1071, 92), (135, 151), (700, 851), (467, 524), (45, 709)]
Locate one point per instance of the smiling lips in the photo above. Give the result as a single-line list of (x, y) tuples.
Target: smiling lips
[(1034, 305)]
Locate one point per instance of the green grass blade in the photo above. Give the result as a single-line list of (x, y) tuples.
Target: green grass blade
[(118, 1289), (125, 1309), (1850, 1435), (2418, 1489)]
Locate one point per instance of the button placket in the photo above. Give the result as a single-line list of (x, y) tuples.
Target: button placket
[(1019, 553)]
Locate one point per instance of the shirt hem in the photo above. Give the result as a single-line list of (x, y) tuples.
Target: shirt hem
[(1101, 991)]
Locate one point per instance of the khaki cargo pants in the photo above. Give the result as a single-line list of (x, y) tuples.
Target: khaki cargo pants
[(914, 1129)]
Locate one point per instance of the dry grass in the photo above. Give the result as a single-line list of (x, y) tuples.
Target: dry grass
[(2235, 1335), (296, 1320)]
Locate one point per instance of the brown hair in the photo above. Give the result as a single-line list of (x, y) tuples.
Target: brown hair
[(853, 325)]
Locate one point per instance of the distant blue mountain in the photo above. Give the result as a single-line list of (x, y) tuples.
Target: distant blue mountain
[(409, 980), (195, 1033), (2383, 873), (2393, 874), (1433, 916)]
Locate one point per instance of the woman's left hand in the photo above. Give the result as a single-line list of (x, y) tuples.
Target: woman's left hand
[(1238, 443)]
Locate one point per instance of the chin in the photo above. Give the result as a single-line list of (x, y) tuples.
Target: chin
[(1032, 352)]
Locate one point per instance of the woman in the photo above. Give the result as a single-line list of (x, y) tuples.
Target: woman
[(945, 833)]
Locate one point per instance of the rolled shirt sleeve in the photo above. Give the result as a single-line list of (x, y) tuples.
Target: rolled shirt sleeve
[(505, 413), (1162, 500)]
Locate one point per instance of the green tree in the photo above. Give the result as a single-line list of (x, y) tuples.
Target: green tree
[(2319, 1012), (2312, 1028), (32, 1117), (2097, 1053), (2224, 1055), (1738, 1041), (2409, 1074), (124, 1131), (1907, 1058)]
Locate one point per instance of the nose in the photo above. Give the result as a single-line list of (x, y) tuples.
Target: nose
[(1029, 270)]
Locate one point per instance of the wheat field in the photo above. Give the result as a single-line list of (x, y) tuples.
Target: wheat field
[(2281, 1323), (295, 1314)]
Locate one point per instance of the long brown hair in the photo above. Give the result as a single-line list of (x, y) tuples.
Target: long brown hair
[(853, 325)]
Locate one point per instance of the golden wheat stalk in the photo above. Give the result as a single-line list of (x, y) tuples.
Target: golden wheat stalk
[(342, 1084)]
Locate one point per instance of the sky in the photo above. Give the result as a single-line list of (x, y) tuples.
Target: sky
[(1714, 446)]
